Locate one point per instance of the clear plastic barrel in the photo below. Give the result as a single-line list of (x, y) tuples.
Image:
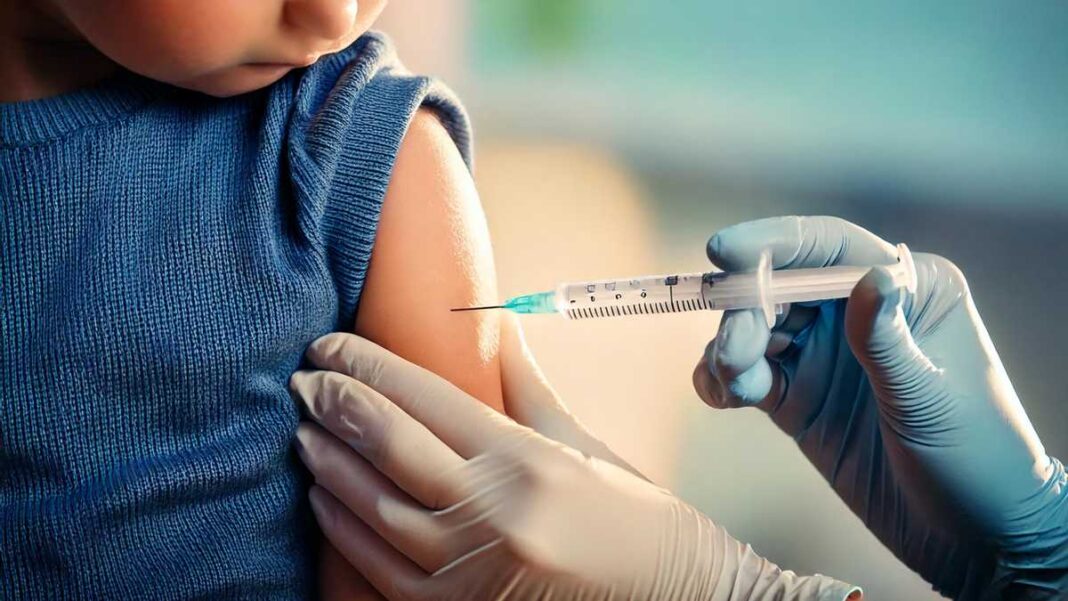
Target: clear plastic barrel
[(761, 289), (650, 295)]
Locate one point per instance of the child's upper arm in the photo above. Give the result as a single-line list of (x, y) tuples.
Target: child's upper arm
[(432, 253)]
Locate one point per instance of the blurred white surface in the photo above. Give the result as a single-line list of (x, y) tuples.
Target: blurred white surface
[(560, 213), (432, 36)]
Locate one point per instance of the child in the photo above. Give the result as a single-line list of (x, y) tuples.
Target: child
[(190, 192)]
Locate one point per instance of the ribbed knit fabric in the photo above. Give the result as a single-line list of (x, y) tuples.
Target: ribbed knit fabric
[(165, 258)]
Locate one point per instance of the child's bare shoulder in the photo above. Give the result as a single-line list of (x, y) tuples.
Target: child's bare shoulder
[(433, 253)]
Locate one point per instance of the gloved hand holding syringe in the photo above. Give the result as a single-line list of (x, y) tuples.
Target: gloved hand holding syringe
[(715, 291)]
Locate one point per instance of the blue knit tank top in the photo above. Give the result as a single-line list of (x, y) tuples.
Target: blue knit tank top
[(165, 258)]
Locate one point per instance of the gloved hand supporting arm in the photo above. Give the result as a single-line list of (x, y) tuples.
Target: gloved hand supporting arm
[(431, 495)]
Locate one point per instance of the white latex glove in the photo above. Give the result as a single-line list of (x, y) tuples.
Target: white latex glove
[(432, 495)]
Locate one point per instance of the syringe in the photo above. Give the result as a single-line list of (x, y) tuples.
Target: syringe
[(763, 288)]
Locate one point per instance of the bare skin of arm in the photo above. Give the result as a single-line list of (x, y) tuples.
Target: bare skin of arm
[(432, 252)]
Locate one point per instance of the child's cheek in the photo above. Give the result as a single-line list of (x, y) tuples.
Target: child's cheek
[(171, 40)]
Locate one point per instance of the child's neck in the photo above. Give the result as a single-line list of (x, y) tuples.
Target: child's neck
[(41, 57)]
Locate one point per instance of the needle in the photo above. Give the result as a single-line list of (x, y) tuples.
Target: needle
[(479, 308)]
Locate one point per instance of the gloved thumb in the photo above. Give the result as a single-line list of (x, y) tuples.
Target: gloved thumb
[(880, 338), (530, 400)]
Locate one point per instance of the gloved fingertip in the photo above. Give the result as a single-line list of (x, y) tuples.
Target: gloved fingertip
[(753, 385), (321, 504), (736, 248), (730, 248), (739, 246), (708, 355), (705, 385), (747, 387), (740, 343), (875, 325), (881, 289), (317, 346), (299, 380), (303, 439), (311, 388), (714, 247), (324, 350)]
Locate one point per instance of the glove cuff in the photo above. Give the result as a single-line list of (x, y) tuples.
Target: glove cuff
[(718, 566), (1036, 567)]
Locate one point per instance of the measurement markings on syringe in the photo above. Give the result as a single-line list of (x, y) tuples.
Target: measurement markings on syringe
[(614, 303), (719, 291), (633, 309)]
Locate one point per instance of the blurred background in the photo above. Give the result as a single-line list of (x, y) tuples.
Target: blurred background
[(614, 136)]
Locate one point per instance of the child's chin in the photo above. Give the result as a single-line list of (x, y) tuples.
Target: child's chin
[(237, 80)]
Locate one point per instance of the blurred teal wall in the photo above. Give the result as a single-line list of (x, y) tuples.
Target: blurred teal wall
[(957, 95)]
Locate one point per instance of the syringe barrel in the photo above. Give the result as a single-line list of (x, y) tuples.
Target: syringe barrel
[(656, 294), (762, 289)]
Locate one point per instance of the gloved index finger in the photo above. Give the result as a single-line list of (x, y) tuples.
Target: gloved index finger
[(459, 420), (798, 242), (397, 445)]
